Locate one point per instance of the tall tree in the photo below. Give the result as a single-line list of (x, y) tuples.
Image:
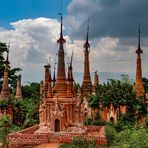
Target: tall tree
[(31, 90)]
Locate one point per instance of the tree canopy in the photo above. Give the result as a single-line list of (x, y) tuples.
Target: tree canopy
[(119, 92)]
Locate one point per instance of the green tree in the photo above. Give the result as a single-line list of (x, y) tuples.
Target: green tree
[(5, 129), (136, 137), (76, 87), (31, 90), (145, 83), (31, 108), (119, 92), (19, 112)]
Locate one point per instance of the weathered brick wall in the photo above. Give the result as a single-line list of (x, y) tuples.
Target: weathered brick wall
[(93, 133), (29, 130), (27, 136), (94, 128), (18, 140), (67, 138)]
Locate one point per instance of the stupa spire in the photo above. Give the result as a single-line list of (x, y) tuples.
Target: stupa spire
[(86, 84), (87, 45), (139, 51), (96, 78), (5, 86), (18, 88), (70, 88), (70, 74), (54, 77), (61, 40), (60, 86), (47, 77), (139, 89)]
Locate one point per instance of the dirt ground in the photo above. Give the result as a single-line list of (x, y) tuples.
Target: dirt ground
[(49, 145)]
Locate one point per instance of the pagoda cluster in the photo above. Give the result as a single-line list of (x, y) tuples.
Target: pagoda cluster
[(61, 105)]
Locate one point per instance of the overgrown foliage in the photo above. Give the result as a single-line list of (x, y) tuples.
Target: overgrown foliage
[(96, 121), (136, 136), (31, 115), (26, 109), (76, 87), (31, 90), (5, 129), (80, 142), (119, 92)]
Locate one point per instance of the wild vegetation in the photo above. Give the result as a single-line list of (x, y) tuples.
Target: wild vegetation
[(131, 137), (5, 129), (79, 142), (126, 132), (119, 92)]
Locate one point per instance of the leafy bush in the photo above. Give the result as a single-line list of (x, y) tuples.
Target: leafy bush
[(110, 134), (5, 128), (25, 112), (31, 112), (96, 121), (136, 137), (119, 92), (80, 142), (3, 103)]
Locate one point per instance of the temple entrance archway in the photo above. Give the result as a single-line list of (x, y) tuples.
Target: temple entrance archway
[(112, 119), (57, 125)]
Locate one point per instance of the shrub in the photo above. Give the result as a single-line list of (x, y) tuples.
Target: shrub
[(136, 137), (5, 128), (110, 134), (80, 142)]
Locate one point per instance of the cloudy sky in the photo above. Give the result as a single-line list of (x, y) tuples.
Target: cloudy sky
[(34, 27)]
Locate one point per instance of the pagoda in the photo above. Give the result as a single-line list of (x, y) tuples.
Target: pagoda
[(59, 108), (139, 88), (86, 84), (5, 93), (5, 87)]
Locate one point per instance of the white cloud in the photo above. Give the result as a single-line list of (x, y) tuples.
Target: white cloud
[(34, 40)]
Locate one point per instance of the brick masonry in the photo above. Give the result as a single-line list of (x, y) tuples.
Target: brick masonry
[(27, 137)]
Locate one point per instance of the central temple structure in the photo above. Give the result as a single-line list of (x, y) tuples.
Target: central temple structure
[(59, 109)]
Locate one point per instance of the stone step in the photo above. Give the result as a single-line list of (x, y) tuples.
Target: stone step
[(53, 140)]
